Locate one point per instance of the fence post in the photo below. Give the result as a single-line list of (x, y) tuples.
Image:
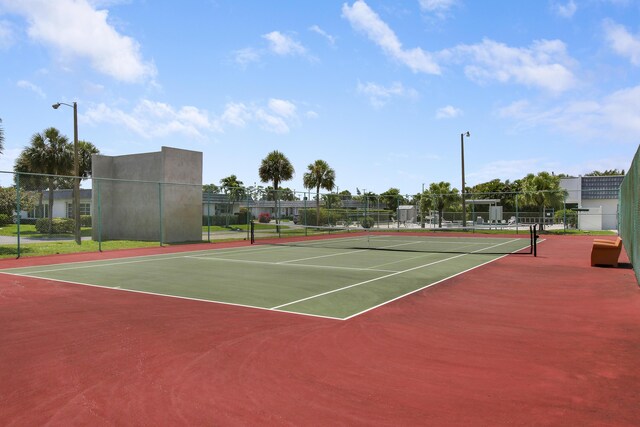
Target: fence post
[(517, 216), (160, 211), (99, 216), (18, 211), (209, 197)]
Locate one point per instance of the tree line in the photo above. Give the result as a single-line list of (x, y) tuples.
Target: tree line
[(47, 164), (534, 191)]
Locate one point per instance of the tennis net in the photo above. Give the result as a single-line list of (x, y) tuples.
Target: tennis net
[(383, 240)]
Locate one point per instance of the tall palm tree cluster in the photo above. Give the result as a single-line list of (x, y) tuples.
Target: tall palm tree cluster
[(277, 168), (47, 163)]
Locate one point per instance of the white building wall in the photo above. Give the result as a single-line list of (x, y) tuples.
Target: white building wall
[(609, 211)]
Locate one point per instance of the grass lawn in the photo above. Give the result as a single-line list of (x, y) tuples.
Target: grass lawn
[(29, 230), (66, 247)]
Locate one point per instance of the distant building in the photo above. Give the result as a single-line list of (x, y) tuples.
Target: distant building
[(596, 197), (62, 205)]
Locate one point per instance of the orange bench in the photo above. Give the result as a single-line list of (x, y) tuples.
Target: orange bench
[(606, 252)]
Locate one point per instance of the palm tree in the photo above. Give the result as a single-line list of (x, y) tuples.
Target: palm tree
[(541, 191), (442, 196), (50, 153), (85, 150), (232, 187), (320, 175), (276, 168)]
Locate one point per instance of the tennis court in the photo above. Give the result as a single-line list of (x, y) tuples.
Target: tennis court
[(337, 276)]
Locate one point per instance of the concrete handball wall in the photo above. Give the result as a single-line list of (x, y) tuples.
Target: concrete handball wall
[(130, 209)]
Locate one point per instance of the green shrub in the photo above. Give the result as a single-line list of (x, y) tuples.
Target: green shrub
[(59, 225), (25, 221), (242, 216), (367, 222), (5, 219), (572, 217), (85, 220)]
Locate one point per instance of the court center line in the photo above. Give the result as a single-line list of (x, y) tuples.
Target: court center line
[(410, 258), (346, 253), (430, 284), (385, 276), (328, 267)]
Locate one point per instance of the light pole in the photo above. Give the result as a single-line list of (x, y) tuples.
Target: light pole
[(464, 207), (76, 170)]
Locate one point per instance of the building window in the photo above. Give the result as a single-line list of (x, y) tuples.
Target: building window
[(85, 209), (39, 211)]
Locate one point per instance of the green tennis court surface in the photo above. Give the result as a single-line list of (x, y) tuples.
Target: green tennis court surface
[(336, 278)]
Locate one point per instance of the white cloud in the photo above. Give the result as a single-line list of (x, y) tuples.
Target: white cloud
[(545, 64), (436, 5), (506, 169), (246, 56), (76, 30), (7, 34), (151, 119), (311, 114), (612, 118), (622, 41), (282, 108), (316, 29), (380, 95), (565, 10), (236, 113), (23, 84), (270, 122), (448, 112), (283, 45), (364, 19)]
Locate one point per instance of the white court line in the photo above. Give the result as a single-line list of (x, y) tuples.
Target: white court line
[(7, 271), (105, 263), (385, 276), (424, 287), (430, 284), (409, 259), (119, 289), (327, 267), (346, 253)]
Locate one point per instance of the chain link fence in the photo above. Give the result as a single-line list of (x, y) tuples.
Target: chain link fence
[(37, 212)]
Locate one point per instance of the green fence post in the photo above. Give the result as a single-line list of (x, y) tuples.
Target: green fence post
[(160, 211), (99, 215), (517, 216), (209, 196), (18, 211), (248, 214)]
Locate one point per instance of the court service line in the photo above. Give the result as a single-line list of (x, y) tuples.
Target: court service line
[(328, 267), (345, 253), (117, 288), (384, 277), (409, 259), (424, 287), (430, 284)]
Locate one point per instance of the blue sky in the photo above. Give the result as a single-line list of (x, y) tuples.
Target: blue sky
[(381, 90)]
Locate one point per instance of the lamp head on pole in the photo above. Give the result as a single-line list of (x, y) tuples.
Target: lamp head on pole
[(467, 134), (56, 106)]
